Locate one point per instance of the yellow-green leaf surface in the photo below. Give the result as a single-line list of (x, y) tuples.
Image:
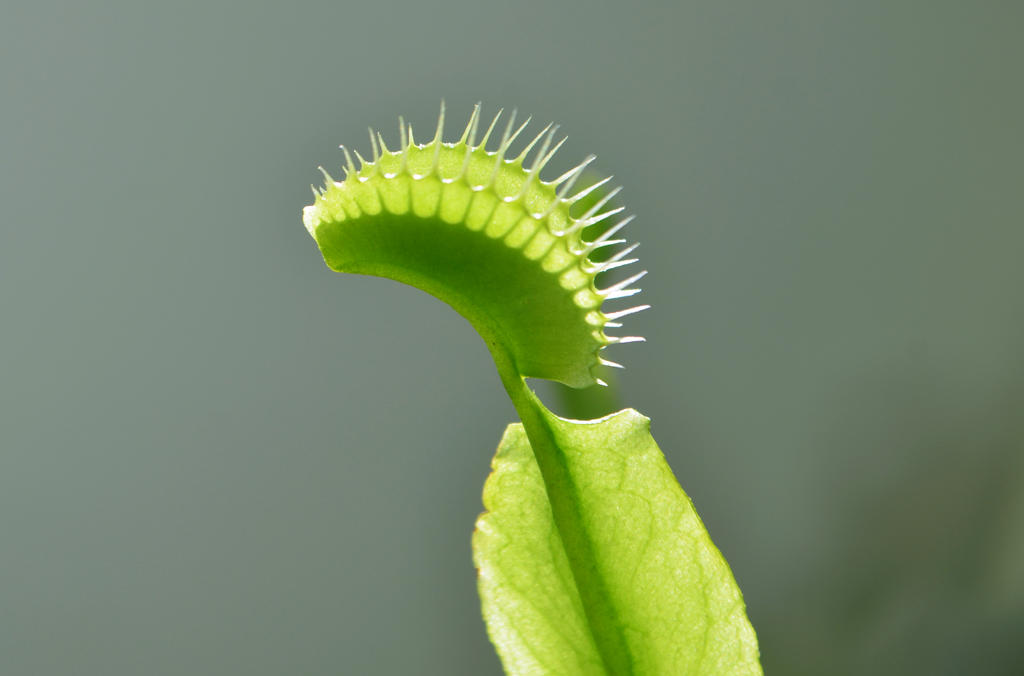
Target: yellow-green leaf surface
[(677, 608)]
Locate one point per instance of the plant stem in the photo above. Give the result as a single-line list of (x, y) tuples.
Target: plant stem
[(556, 469)]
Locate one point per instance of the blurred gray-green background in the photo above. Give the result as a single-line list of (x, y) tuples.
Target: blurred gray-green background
[(217, 457)]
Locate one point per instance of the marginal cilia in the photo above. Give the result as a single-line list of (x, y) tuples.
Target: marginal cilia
[(497, 198)]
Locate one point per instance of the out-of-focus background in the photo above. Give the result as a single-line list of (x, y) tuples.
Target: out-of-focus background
[(217, 457)]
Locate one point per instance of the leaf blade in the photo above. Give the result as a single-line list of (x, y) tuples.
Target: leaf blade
[(676, 603), (533, 612)]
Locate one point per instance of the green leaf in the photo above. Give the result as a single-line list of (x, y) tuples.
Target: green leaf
[(592, 558), (670, 596)]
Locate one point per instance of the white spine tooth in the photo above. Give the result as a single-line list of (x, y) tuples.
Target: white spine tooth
[(625, 313), (619, 289), (600, 203), (363, 164), (605, 238), (551, 153), (490, 128), (469, 138), (403, 139), (437, 140), (467, 135), (593, 246), (618, 256), (618, 286), (594, 220), (625, 293), (350, 166), (373, 145), (610, 232), (607, 362), (529, 146), (519, 130), (586, 191), (506, 137), (514, 136), (472, 132), (540, 159), (565, 183), (605, 266)]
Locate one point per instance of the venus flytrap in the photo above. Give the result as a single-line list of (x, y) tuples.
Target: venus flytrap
[(591, 557)]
